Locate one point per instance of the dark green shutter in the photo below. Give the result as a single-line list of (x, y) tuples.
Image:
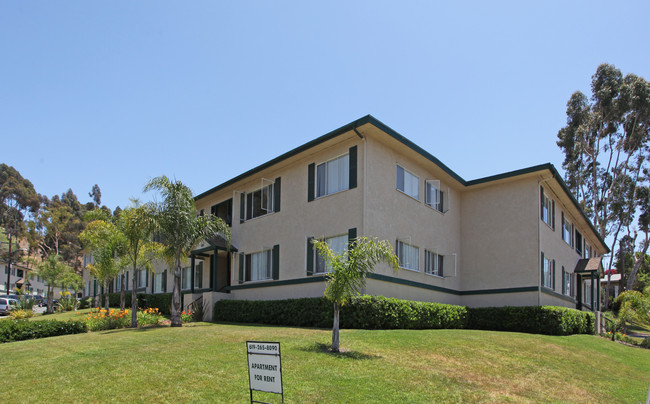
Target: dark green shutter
[(564, 291), (562, 228), (147, 275), (311, 173), (241, 267), (542, 268), (353, 167), (276, 194), (352, 235), (276, 262), (128, 281), (201, 276), (242, 208), (440, 264), (541, 203), (164, 281), (310, 256)]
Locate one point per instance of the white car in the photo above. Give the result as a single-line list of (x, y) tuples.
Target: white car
[(7, 304)]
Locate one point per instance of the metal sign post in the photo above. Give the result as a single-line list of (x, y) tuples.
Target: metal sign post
[(264, 368)]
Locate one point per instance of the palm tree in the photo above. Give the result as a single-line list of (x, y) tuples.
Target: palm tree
[(137, 225), (106, 243), (181, 229), (349, 270)]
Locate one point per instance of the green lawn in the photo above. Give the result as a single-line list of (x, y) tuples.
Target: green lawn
[(207, 362)]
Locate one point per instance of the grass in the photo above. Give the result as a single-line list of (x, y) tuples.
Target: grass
[(207, 362)]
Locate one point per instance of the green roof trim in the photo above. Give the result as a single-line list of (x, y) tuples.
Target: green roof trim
[(369, 119)]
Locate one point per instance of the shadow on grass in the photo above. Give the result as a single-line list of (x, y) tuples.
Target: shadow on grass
[(318, 347)]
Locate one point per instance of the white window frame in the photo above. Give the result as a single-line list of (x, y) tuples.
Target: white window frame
[(432, 263), (157, 286), (547, 211), (567, 228), (548, 273), (567, 283), (318, 262), (264, 257), (402, 246), (186, 278), (343, 164), (142, 278), (586, 291), (268, 209), (404, 189)]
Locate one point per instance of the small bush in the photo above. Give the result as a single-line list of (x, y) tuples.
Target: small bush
[(99, 319), (85, 303), (19, 330), (187, 316), (20, 314), (149, 316)]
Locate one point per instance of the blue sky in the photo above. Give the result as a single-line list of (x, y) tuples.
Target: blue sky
[(118, 92)]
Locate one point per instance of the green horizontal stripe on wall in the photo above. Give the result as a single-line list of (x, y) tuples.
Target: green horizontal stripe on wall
[(298, 281), (553, 293), (385, 278)]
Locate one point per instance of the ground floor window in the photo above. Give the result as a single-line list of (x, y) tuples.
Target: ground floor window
[(408, 256), (433, 263), (547, 274), (198, 275), (338, 244), (186, 278), (157, 283), (259, 266), (586, 291), (142, 278), (567, 283)]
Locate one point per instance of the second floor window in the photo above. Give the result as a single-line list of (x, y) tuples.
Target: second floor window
[(433, 195), (567, 231), (333, 176), (408, 183), (260, 202)]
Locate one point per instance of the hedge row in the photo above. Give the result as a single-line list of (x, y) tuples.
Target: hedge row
[(550, 320), (378, 312), (19, 330), (161, 301), (365, 312)]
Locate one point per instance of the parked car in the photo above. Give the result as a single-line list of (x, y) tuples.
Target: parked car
[(7, 304)]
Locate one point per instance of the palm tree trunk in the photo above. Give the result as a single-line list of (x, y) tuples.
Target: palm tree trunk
[(134, 300), (176, 295), (123, 282), (335, 329)]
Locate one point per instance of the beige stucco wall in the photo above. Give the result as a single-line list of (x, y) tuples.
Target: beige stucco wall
[(499, 235)]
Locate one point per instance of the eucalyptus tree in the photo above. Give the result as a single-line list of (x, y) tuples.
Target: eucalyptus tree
[(181, 229), (18, 199), (137, 225), (53, 271), (606, 148), (349, 270), (107, 244)]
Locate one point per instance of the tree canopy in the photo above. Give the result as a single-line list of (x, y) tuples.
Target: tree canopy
[(606, 149)]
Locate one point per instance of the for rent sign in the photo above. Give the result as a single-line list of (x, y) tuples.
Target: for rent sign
[(264, 367)]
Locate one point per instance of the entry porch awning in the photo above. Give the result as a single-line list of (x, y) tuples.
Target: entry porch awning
[(215, 242), (589, 266)]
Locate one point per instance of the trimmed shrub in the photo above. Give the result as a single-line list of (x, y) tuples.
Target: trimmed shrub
[(551, 320), (19, 330), (365, 312)]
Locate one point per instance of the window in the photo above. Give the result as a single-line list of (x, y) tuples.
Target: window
[(223, 210), (198, 274), (548, 272), (118, 283), (333, 176), (20, 273), (186, 278), (408, 256), (142, 278), (433, 263), (567, 231), (548, 209), (587, 291), (338, 244), (433, 195), (260, 202), (567, 283), (258, 266), (578, 242), (408, 183), (158, 283)]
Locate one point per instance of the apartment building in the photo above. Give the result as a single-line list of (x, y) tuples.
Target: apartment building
[(517, 238)]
